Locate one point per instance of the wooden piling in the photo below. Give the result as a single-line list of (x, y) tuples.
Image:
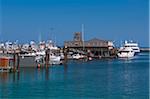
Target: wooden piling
[(14, 61), (18, 61), (65, 54), (47, 58)]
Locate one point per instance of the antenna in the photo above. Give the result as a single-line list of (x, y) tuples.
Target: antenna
[(83, 35)]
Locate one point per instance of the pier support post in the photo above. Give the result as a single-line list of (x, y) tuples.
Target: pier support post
[(65, 54), (18, 61), (14, 61), (47, 57)]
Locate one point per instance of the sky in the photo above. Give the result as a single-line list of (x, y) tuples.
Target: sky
[(115, 20)]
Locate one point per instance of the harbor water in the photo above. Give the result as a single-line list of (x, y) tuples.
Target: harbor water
[(97, 79)]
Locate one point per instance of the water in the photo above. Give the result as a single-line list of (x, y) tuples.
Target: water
[(98, 79)]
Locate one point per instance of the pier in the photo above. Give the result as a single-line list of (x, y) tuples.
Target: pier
[(95, 47), (46, 53), (145, 49)]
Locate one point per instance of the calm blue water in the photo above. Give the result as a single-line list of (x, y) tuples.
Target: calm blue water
[(102, 79)]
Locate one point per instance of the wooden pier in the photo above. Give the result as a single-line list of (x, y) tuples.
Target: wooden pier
[(94, 47), (145, 49)]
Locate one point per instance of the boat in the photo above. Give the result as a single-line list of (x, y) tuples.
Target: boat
[(126, 52), (39, 59), (77, 56), (132, 45), (32, 54), (54, 59), (6, 63), (40, 53), (50, 45)]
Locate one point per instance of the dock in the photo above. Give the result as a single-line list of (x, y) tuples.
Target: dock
[(93, 47), (145, 49)]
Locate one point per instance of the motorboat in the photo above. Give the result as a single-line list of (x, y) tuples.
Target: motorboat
[(126, 52), (77, 56), (132, 45)]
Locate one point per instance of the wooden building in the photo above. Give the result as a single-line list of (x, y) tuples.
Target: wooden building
[(95, 46)]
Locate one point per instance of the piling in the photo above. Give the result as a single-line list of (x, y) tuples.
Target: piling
[(14, 61), (47, 57), (18, 61), (65, 54)]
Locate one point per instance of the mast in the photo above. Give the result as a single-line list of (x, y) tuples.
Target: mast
[(40, 37), (51, 36), (83, 35)]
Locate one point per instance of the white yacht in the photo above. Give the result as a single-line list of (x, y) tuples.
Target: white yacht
[(126, 52), (132, 45)]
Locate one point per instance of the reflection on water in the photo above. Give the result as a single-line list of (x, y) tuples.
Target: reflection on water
[(4, 77), (47, 74), (127, 60), (106, 79), (32, 73)]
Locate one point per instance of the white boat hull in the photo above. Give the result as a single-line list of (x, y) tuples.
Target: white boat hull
[(126, 52), (55, 60), (126, 55), (77, 56)]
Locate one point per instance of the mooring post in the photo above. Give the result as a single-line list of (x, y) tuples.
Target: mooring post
[(88, 54), (14, 59), (47, 58), (18, 62), (65, 54)]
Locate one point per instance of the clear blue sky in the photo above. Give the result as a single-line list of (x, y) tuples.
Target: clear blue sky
[(115, 20)]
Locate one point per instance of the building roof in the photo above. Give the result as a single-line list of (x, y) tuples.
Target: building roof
[(96, 40)]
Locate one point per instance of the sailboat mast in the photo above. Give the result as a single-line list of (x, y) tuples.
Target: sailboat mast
[(40, 38), (83, 35)]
